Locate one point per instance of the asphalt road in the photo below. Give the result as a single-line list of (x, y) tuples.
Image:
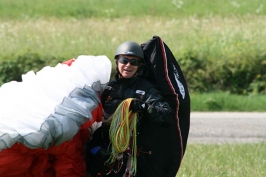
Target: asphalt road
[(226, 127)]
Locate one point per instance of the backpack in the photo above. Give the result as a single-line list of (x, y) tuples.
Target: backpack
[(97, 152), (161, 67)]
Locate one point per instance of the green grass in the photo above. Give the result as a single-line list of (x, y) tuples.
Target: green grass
[(227, 102), (215, 37), (10, 9), (227, 160)]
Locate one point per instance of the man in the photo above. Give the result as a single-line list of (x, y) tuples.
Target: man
[(154, 117)]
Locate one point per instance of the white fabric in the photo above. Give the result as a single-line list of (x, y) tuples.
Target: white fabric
[(24, 106)]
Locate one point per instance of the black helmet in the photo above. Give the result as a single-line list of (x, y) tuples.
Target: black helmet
[(129, 48)]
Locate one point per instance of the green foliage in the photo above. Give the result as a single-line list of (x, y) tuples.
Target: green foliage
[(9, 69), (13, 67), (240, 75), (194, 69)]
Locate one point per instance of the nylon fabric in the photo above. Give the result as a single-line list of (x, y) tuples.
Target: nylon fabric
[(45, 120), (162, 68)]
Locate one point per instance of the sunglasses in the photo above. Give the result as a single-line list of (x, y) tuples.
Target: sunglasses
[(133, 62)]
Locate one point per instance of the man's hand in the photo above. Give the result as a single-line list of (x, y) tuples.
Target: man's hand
[(138, 105)]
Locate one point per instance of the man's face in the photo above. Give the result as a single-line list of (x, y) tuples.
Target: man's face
[(126, 65)]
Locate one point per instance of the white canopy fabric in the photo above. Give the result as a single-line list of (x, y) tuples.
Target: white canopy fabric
[(49, 106)]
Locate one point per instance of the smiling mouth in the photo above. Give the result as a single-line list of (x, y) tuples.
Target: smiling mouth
[(127, 70)]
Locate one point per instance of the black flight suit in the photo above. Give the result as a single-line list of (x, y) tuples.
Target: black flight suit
[(154, 146)]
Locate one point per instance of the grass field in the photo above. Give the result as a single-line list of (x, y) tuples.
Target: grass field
[(12, 9), (225, 29), (213, 36), (227, 160), (220, 101)]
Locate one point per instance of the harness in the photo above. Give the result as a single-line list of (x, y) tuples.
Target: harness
[(100, 140)]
